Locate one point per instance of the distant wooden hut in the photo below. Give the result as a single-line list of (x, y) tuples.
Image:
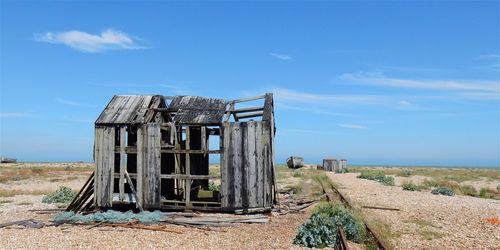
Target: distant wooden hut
[(343, 164), (295, 162), (153, 151), (330, 164), (334, 165)]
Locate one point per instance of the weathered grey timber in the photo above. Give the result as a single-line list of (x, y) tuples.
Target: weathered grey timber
[(153, 151), (334, 164), (7, 160), (295, 162)]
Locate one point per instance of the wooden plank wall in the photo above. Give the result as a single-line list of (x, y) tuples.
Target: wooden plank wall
[(151, 165), (104, 154), (246, 165)]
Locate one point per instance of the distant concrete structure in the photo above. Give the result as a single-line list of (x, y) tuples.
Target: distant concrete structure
[(334, 165)]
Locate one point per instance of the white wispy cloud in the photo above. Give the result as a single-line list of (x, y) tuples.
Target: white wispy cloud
[(73, 103), (353, 126), (405, 103), (489, 57), (492, 62), (309, 110), (281, 56), (378, 78), (93, 43), (14, 114), (282, 94)]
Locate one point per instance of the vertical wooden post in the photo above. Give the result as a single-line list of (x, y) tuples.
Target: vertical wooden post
[(98, 165), (204, 140), (266, 155), (123, 161), (140, 148), (177, 146), (187, 190)]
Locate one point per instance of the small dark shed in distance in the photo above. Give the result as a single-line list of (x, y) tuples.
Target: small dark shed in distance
[(160, 147)]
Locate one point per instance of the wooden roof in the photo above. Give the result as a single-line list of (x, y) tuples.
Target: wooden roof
[(130, 109), (182, 109), (197, 109)]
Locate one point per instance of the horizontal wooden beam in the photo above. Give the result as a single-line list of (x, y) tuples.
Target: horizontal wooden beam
[(253, 98), (243, 110), (188, 177), (133, 150), (249, 115), (193, 202)]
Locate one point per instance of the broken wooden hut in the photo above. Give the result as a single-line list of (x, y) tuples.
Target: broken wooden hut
[(334, 164), (155, 151)]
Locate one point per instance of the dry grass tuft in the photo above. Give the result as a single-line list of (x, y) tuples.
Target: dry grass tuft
[(14, 192)]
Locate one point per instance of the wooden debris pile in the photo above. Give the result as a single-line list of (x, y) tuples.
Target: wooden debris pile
[(83, 201), (294, 205)]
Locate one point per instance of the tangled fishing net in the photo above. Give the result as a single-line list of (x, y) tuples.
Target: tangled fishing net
[(111, 216)]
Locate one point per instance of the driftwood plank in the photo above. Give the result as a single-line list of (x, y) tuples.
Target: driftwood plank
[(129, 181)]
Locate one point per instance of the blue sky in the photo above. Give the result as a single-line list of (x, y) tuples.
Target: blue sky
[(410, 83)]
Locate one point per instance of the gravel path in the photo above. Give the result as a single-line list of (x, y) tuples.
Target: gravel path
[(425, 221)]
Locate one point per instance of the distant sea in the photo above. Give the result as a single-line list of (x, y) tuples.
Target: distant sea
[(417, 166)]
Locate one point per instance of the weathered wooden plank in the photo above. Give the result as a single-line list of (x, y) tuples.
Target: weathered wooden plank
[(187, 189), (140, 164), (111, 169), (103, 117), (236, 163), (224, 164), (108, 158), (185, 176), (133, 150), (98, 165), (249, 109), (265, 189), (124, 111), (267, 163), (268, 108), (142, 112), (251, 164), (198, 110), (153, 166), (123, 161), (249, 115), (245, 173), (204, 141), (131, 184), (119, 105), (247, 99)]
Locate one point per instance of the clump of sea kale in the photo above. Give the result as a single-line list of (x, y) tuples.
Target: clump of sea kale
[(443, 191), (320, 230), (62, 195)]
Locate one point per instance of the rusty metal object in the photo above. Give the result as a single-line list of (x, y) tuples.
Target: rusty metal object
[(345, 201), (342, 240)]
